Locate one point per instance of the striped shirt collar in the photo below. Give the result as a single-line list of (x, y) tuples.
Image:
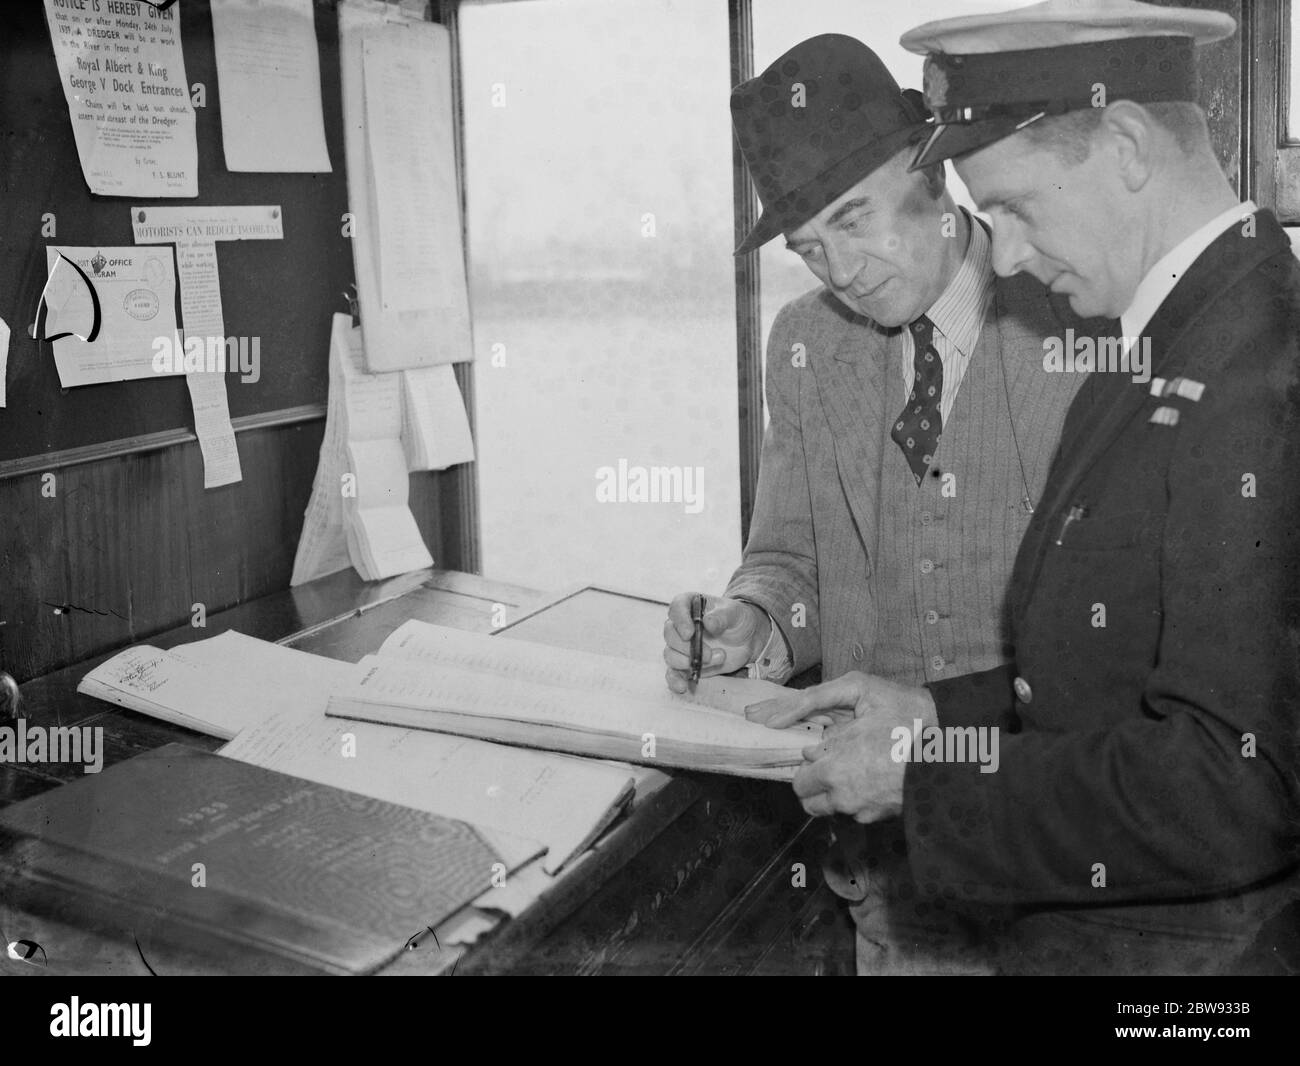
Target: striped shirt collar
[(959, 311)]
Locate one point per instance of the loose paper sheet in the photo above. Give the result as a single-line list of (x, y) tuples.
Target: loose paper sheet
[(550, 798), (198, 687), (322, 546), (266, 54), (406, 164), (371, 404), (436, 432), (123, 76), (194, 230), (136, 291), (201, 306), (438, 330)]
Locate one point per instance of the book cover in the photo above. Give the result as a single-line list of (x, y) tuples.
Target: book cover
[(263, 871)]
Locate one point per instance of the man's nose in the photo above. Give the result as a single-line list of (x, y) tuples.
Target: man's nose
[(843, 263), (1011, 252)]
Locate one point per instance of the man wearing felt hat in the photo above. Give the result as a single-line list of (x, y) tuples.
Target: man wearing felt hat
[(1145, 814), (890, 500)]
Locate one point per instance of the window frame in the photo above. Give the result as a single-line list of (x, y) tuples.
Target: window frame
[(1275, 173)]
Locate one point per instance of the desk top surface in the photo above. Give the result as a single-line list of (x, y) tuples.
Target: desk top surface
[(345, 618)]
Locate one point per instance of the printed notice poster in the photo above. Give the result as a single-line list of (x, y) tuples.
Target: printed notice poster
[(123, 76), (196, 231)]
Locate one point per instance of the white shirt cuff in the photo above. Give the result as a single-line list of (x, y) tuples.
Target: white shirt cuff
[(773, 662)]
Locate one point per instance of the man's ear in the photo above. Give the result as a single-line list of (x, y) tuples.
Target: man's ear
[(1131, 133), (936, 179), (934, 176), (940, 178)]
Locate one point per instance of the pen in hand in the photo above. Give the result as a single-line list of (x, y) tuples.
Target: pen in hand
[(697, 637)]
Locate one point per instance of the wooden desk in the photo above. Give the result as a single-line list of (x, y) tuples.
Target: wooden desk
[(696, 878)]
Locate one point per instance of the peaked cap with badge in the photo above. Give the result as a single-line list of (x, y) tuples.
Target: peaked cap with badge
[(988, 76)]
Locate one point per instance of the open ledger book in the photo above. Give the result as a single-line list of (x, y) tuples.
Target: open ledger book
[(450, 681)]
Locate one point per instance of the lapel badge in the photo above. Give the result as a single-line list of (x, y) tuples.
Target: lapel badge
[(1184, 388), (1164, 416)]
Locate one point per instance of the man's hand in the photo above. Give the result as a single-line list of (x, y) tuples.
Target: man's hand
[(734, 634), (852, 771)]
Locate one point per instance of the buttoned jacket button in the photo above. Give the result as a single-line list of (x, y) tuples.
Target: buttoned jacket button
[(1023, 692)]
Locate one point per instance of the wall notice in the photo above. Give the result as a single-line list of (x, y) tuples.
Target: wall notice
[(123, 75)]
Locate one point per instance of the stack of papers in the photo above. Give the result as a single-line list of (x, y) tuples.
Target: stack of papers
[(358, 512), (446, 680), (218, 686), (271, 700), (435, 429), (382, 536)]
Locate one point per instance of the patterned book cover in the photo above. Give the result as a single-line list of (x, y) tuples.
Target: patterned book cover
[(241, 863)]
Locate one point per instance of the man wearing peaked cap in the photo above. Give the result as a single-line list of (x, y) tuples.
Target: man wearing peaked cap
[(911, 426), (1144, 816)]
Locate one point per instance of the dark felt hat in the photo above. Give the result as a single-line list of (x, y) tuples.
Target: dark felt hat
[(987, 76), (814, 124)]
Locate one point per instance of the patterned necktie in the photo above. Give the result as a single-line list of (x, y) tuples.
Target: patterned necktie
[(918, 427)]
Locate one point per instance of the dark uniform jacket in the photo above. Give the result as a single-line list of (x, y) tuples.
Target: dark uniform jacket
[(1144, 816)]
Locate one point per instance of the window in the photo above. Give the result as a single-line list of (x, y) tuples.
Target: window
[(1292, 70), (1275, 133), (599, 217)]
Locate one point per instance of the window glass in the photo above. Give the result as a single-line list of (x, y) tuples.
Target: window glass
[(599, 213), (1293, 75)]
